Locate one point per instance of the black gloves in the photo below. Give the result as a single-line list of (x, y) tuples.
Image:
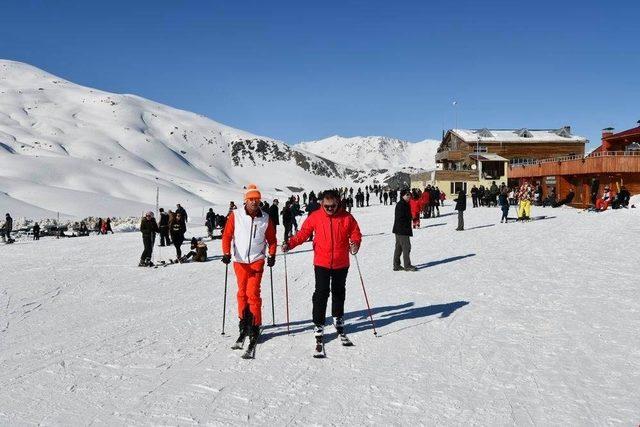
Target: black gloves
[(226, 259), (271, 260)]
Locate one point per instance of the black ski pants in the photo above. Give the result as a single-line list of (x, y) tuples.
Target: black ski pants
[(329, 281), (147, 241), (164, 236), (177, 242)]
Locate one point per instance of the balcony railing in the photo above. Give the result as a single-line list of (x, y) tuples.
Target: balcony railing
[(578, 157)]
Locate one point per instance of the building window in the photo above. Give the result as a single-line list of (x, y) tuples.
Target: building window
[(457, 186)]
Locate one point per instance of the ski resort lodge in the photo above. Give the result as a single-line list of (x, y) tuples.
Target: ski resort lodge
[(468, 157), (616, 162)]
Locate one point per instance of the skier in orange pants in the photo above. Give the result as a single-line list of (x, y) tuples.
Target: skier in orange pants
[(251, 231)]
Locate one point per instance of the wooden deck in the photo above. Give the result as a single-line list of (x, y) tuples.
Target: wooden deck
[(599, 163)]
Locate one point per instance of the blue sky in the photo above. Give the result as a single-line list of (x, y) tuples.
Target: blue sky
[(302, 70)]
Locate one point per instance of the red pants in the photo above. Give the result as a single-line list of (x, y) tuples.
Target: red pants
[(249, 277), (602, 205)]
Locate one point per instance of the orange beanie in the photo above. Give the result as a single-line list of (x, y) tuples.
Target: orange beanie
[(252, 192)]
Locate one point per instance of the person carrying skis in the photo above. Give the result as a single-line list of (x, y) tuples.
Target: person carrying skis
[(252, 233), (148, 228), (336, 234)]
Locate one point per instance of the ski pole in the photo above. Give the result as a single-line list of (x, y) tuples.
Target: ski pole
[(224, 304), (286, 289), (365, 296), (273, 312)]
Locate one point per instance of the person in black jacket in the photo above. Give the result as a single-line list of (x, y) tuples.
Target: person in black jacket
[(164, 228), (287, 219), (210, 222), (402, 230), (461, 206), (184, 218), (36, 231), (177, 230), (274, 214), (148, 228)]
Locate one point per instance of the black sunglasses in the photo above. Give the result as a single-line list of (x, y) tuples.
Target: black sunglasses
[(329, 207)]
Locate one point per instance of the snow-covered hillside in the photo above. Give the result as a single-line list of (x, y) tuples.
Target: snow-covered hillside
[(77, 151), (375, 152), (503, 324)]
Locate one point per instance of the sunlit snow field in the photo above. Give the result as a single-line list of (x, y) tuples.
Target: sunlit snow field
[(528, 324)]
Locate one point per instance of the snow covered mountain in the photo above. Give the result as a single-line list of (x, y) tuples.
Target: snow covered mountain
[(77, 151), (375, 152)]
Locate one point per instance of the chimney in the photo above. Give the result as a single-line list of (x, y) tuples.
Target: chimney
[(606, 132), (567, 128)]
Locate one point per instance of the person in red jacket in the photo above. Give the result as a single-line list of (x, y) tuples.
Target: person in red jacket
[(416, 206), (425, 204), (251, 230), (336, 234)]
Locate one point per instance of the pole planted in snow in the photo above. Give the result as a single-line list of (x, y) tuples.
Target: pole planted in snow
[(366, 299)]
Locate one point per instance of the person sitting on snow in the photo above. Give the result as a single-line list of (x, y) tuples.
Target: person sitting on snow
[(198, 251), (622, 199), (603, 202)]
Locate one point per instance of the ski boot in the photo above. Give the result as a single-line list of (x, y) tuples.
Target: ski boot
[(318, 332), (254, 334), (243, 327), (338, 322)]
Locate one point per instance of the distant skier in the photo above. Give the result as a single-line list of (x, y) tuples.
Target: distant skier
[(461, 206), (253, 234), (274, 214), (336, 235), (148, 228), (6, 229), (503, 201), (210, 222), (108, 226), (36, 231), (183, 218)]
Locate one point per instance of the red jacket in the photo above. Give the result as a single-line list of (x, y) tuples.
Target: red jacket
[(416, 207), (332, 235), (424, 199)]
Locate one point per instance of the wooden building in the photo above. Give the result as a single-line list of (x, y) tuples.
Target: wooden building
[(468, 157), (616, 162)]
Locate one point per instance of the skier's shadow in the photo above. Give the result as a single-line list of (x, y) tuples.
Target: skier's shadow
[(480, 226), (434, 225), (358, 321), (442, 261)]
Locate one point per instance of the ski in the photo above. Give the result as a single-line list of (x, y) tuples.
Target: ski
[(319, 352), (345, 341)]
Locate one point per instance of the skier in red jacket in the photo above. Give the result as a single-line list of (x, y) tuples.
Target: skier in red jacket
[(336, 234), (415, 204)]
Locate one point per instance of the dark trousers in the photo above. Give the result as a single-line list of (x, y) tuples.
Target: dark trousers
[(147, 241), (164, 236), (460, 220), (403, 247), (287, 231), (36, 236), (329, 281), (178, 243), (505, 212), (475, 201)]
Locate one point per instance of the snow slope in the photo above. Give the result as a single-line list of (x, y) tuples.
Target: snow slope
[(504, 324), (76, 150), (375, 152)]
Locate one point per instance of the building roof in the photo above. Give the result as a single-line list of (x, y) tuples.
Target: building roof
[(485, 135), (489, 157), (627, 133)]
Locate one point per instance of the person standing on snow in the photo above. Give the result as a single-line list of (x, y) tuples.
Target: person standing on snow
[(461, 206), (503, 201), (402, 230), (252, 233), (177, 230), (184, 218), (148, 228), (36, 231), (336, 235), (274, 214), (6, 229), (525, 195)]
